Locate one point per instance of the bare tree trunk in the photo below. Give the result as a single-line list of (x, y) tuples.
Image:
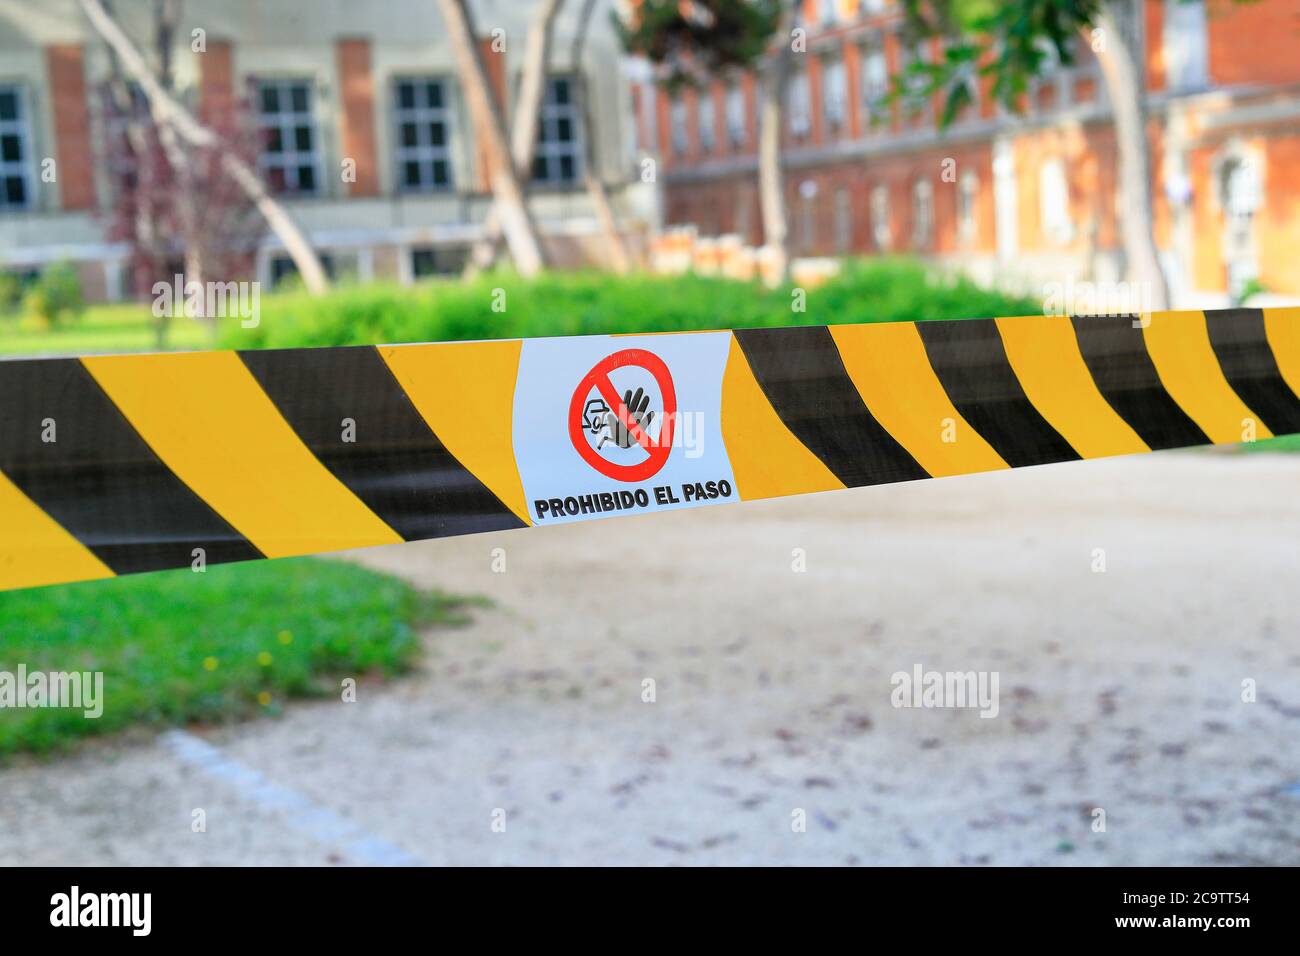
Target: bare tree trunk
[(523, 132), (141, 158), (771, 184), (168, 112), (612, 239), (166, 17), (532, 84), (516, 224), (1127, 89)]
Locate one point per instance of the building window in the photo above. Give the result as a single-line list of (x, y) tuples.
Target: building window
[(290, 160), (708, 121), (834, 94), (799, 106), (922, 214), (283, 269), (1185, 43), (744, 212), (15, 186), (427, 261), (555, 161), (677, 124), (829, 11), (423, 131), (843, 220), (1054, 202), (1047, 88), (967, 197), (875, 84), (120, 110), (1241, 194), (735, 108), (918, 105), (880, 234), (807, 216)]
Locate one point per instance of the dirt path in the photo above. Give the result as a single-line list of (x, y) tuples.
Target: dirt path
[(1120, 690)]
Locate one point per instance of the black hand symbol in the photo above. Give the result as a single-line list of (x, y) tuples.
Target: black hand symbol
[(636, 406)]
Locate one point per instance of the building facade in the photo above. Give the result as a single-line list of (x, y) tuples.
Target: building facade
[(1028, 198), (362, 127)]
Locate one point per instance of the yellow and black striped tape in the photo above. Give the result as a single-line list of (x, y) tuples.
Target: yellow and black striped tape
[(118, 464)]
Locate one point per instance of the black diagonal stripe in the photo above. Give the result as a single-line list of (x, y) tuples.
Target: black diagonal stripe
[(98, 478), (972, 366), (1241, 346), (396, 464), (803, 376), (1117, 358)]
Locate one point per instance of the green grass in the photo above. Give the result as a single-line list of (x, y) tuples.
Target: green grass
[(119, 327), (1280, 443), (237, 640)]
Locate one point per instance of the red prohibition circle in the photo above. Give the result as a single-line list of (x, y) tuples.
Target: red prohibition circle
[(598, 378)]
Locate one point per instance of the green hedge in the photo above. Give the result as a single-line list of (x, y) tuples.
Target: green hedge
[(590, 303)]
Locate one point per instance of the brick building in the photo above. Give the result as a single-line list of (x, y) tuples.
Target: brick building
[(1029, 198), (326, 81)]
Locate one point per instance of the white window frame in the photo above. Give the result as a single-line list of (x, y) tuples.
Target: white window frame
[(425, 153), (550, 152), (290, 159), (21, 168)]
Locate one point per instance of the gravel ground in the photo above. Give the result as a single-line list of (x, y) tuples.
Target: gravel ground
[(1119, 690)]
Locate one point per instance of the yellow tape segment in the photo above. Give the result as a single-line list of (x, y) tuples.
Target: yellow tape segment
[(1282, 329), (1179, 345), (766, 459), (204, 414), (1044, 354), (34, 548), (891, 371), (465, 391)]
